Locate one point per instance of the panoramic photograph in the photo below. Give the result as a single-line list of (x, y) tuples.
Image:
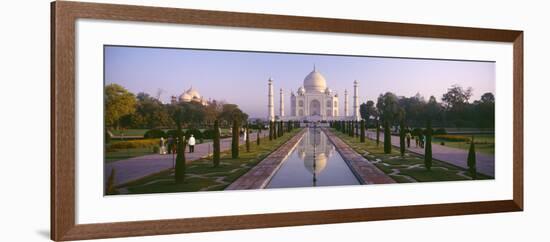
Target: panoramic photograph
[(191, 120)]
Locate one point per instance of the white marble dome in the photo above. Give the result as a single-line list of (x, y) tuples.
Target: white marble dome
[(315, 82), (190, 95)]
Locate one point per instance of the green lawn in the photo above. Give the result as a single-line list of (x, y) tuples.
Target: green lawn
[(122, 154), (409, 168), (202, 176), (484, 143), (141, 132)]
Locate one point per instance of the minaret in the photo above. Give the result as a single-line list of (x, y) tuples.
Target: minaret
[(346, 113), (355, 101), (281, 104), (270, 108)]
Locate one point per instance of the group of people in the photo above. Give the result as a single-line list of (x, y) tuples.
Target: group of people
[(419, 139), (170, 145)]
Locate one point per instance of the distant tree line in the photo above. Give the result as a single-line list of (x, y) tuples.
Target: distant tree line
[(123, 109), (454, 110)]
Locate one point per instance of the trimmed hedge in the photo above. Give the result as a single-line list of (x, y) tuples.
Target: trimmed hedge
[(440, 131), (453, 138), (195, 132), (208, 134), (417, 132), (154, 133), (130, 144)]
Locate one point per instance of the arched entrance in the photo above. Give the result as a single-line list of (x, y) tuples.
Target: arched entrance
[(315, 108)]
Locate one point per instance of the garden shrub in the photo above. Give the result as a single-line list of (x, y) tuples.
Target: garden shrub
[(154, 133), (440, 131), (171, 133), (208, 134), (107, 137), (417, 132), (453, 138), (131, 144), (195, 132)]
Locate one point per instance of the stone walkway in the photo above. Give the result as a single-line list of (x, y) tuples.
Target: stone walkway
[(137, 167), (454, 156), (260, 175), (364, 170)]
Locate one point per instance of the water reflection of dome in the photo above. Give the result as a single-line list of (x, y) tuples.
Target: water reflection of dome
[(323, 151), (320, 163)]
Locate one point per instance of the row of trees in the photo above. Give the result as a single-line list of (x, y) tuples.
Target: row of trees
[(357, 129), (123, 109), (455, 110)]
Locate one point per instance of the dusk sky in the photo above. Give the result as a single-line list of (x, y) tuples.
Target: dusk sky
[(241, 77)]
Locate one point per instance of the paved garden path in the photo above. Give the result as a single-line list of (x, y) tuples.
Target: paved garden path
[(137, 167), (455, 156)]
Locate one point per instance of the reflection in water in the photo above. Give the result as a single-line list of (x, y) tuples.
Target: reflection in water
[(314, 162)]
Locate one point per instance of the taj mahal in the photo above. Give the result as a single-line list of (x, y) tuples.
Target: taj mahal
[(314, 101)]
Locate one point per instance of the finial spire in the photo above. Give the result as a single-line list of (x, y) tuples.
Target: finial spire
[(314, 68)]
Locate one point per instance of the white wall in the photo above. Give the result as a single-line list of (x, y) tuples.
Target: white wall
[(24, 141)]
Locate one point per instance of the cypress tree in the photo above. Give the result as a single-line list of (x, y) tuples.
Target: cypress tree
[(247, 142), (402, 137), (275, 130), (352, 130), (235, 139), (428, 147), (357, 129), (180, 158), (216, 156), (387, 137), (472, 159), (362, 131), (270, 130), (110, 187), (377, 132), (345, 125), (258, 135)]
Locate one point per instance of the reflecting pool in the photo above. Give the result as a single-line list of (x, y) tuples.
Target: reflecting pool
[(314, 162)]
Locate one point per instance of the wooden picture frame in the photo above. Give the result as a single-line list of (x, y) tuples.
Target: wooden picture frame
[(63, 18)]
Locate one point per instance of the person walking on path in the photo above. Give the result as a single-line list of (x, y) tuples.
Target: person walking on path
[(408, 139), (169, 142), (191, 144), (162, 147)]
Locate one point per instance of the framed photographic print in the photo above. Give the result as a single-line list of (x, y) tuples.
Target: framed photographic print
[(170, 120)]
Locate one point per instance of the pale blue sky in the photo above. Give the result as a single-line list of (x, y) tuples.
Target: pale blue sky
[(241, 77)]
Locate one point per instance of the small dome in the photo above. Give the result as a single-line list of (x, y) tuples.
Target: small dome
[(190, 95), (193, 93), (185, 97), (328, 91), (314, 81), (301, 91)]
